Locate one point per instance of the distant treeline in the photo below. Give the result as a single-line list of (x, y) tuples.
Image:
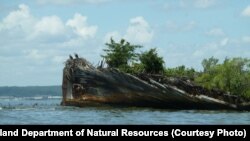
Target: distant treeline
[(231, 76), (31, 91)]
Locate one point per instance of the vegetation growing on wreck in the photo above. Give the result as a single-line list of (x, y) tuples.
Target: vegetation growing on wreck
[(123, 56), (151, 62), (232, 75), (120, 55)]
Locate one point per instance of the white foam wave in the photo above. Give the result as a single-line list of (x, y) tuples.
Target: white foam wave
[(54, 97), (37, 97)]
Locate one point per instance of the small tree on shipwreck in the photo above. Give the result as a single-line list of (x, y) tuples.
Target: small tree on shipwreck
[(120, 54), (151, 62)]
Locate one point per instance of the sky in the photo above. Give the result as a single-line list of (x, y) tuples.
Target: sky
[(37, 36)]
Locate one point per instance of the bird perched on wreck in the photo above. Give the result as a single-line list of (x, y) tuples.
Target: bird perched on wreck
[(70, 57), (76, 55)]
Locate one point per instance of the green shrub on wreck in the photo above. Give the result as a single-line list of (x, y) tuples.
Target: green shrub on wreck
[(233, 75)]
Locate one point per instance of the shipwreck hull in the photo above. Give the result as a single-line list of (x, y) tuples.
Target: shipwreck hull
[(84, 85)]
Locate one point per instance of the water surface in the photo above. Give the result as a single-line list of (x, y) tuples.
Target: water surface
[(47, 110)]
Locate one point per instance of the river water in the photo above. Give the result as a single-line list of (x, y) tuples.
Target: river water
[(47, 110)]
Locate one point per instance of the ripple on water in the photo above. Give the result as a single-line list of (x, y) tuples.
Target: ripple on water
[(48, 111)]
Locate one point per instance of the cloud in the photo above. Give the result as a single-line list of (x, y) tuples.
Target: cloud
[(59, 59), (138, 31), (34, 54), (80, 26), (215, 32), (67, 2), (246, 11), (246, 39), (52, 25), (223, 48), (201, 4), (20, 23), (172, 26), (224, 42), (19, 19), (189, 26), (37, 46), (204, 3), (212, 48)]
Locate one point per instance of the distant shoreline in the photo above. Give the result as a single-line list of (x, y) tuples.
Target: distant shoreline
[(30, 90), (31, 86)]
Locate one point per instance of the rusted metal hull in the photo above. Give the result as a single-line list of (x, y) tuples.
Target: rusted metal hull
[(84, 85)]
